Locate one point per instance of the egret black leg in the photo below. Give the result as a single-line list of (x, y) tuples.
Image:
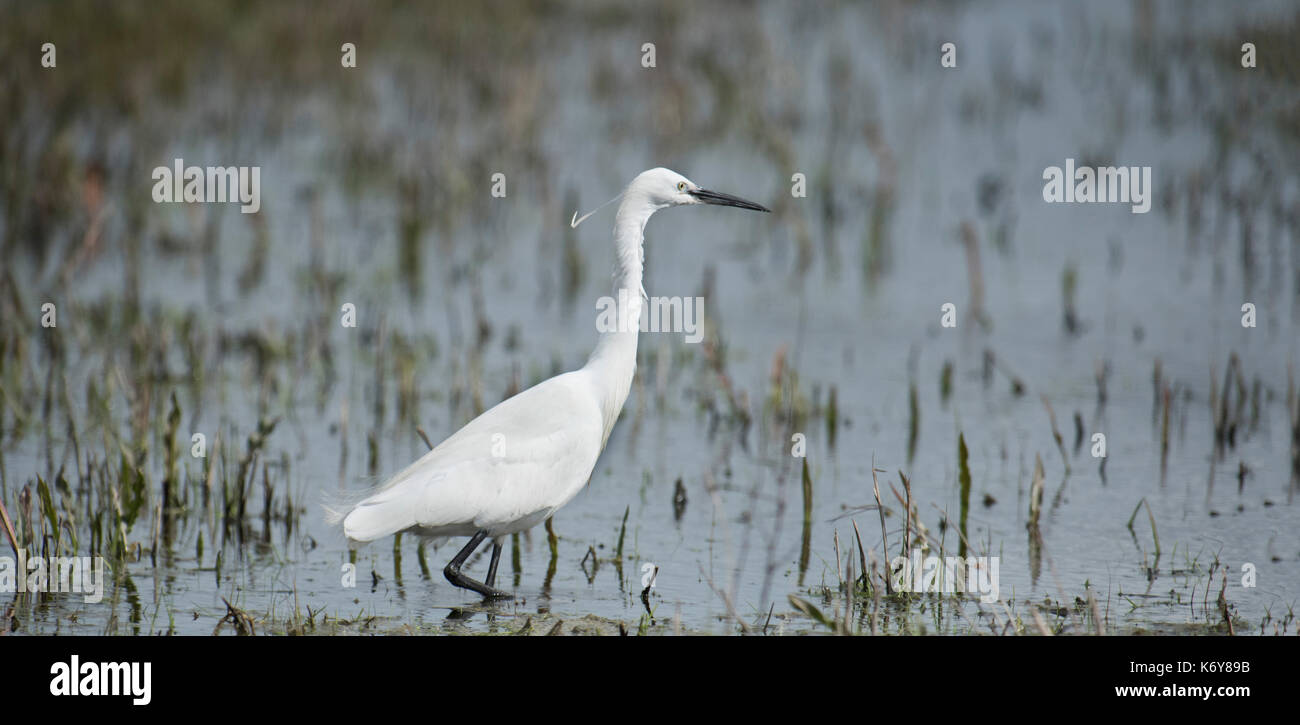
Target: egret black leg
[(492, 568), (452, 572)]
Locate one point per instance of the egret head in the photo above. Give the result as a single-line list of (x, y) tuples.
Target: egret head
[(662, 188)]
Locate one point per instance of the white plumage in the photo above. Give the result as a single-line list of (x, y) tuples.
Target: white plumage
[(526, 457), (517, 463)]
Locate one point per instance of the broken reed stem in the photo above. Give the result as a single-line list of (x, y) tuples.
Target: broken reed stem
[(862, 553), (1150, 517), (1039, 623), (914, 420), (1036, 492), (805, 543), (9, 527), (1096, 615), (839, 571), (1056, 434), (964, 481), (880, 509), (907, 530)]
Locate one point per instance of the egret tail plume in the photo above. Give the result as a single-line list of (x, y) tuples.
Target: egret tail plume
[(339, 504), (384, 513)]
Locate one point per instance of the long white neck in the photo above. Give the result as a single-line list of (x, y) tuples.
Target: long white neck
[(613, 362)]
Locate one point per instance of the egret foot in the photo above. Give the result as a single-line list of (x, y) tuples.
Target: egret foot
[(453, 574)]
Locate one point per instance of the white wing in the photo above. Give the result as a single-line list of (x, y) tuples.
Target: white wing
[(505, 471)]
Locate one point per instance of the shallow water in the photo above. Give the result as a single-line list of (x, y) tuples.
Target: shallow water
[(855, 100)]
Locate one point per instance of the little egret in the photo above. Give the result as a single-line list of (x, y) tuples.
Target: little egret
[(516, 464)]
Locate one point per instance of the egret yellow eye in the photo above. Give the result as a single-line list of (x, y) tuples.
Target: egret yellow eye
[(681, 186)]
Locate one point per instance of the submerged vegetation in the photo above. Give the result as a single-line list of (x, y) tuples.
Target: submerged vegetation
[(194, 391)]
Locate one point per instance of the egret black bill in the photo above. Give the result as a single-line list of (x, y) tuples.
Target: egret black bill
[(721, 199)]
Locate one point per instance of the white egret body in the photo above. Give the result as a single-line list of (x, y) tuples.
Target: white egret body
[(517, 463)]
